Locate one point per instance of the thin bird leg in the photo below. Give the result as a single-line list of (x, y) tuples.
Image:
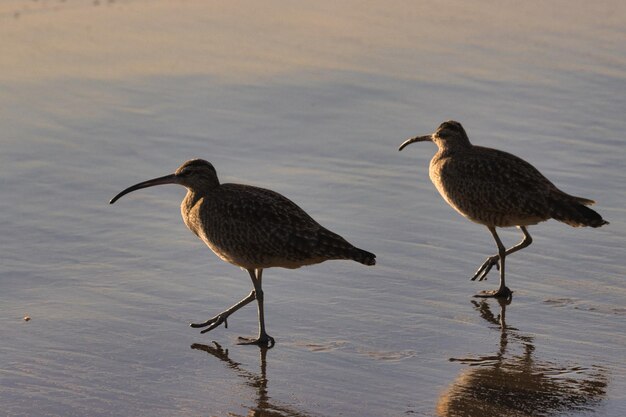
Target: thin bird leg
[(502, 291), (482, 272), (264, 339), (221, 318)]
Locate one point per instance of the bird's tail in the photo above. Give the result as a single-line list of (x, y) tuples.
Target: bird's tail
[(573, 211), (364, 257), (333, 246)]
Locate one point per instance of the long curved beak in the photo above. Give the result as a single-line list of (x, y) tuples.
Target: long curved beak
[(168, 179), (427, 138)]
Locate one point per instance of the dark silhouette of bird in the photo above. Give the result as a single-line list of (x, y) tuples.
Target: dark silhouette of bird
[(498, 189), (252, 228)]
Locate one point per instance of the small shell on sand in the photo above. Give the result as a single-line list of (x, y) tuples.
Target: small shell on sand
[(26, 318)]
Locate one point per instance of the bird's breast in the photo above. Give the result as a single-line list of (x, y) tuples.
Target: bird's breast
[(480, 190), (208, 220), (451, 180), (442, 178)]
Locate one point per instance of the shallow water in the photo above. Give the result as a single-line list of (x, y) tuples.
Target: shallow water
[(311, 101)]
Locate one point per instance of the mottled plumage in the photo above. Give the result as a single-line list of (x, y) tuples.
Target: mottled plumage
[(498, 189), (252, 228)]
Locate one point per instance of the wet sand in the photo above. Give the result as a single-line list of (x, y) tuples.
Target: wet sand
[(311, 101)]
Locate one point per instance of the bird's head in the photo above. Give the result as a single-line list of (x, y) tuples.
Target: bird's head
[(449, 134), (195, 174)]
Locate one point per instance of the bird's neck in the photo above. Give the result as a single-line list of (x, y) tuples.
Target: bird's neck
[(190, 196), (448, 152), (190, 200), (189, 210), (448, 148)]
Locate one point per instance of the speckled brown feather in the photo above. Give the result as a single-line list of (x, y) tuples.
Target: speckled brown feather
[(253, 227), (496, 188)]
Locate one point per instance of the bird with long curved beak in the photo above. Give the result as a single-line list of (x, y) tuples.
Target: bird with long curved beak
[(252, 228), (498, 189)]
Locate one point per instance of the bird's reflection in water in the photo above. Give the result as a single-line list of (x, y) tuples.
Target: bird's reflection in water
[(517, 384), (258, 381)]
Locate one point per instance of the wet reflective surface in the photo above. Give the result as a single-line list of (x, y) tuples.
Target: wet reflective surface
[(311, 101), (258, 381), (514, 382)]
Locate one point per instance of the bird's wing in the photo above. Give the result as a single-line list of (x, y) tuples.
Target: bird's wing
[(488, 184), (499, 167), (269, 225)]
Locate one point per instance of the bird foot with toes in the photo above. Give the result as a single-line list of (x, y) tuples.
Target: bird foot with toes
[(264, 340), (211, 323), (504, 293), (481, 273)]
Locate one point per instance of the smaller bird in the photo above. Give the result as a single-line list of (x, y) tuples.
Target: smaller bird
[(252, 228), (498, 189)]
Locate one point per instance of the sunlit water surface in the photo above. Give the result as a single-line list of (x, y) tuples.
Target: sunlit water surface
[(311, 100)]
